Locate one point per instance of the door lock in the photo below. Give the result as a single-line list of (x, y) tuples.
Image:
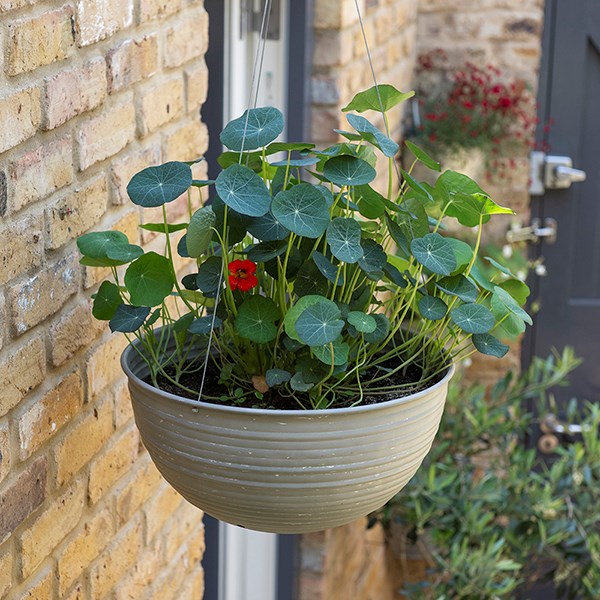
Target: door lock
[(552, 172), (534, 232)]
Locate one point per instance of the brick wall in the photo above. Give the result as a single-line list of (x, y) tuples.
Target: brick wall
[(90, 92)]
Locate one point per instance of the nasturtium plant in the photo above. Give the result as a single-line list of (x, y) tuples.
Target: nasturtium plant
[(304, 282)]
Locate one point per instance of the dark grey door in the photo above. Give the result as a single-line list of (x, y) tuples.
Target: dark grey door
[(569, 293)]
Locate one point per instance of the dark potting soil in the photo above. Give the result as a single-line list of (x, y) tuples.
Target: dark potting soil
[(274, 400)]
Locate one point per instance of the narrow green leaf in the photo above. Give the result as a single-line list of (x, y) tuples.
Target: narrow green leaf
[(382, 97), (164, 227), (200, 231), (328, 270), (423, 157)]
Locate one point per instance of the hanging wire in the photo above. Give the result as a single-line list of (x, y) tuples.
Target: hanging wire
[(382, 110), (256, 75)]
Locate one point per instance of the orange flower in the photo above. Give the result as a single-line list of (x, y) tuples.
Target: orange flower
[(241, 275)]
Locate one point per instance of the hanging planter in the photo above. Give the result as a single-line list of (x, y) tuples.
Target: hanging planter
[(284, 471), (297, 373)]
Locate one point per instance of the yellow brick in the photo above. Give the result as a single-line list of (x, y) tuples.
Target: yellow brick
[(193, 588), (74, 330), (21, 247), (74, 91), (41, 171), (6, 561), (153, 9), (77, 212), (113, 463), (160, 508), (132, 61), (188, 142), (40, 588), (143, 483), (83, 440), (48, 415), (123, 408), (98, 19), (105, 135), (20, 372), (184, 528), (23, 111), (187, 40), (5, 458), (116, 560), (103, 366), (87, 544), (160, 104), (196, 86), (40, 41), (139, 580), (76, 593), (60, 517), (44, 294)]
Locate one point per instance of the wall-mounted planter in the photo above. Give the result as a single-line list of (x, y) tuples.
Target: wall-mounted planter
[(287, 471)]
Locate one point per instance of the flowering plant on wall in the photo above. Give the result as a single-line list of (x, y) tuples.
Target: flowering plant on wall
[(479, 108)]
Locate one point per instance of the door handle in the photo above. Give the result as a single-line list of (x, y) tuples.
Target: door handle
[(552, 172)]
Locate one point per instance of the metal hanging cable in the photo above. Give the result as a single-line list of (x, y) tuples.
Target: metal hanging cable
[(252, 100)]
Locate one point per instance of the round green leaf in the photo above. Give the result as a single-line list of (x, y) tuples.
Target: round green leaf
[(462, 252), (362, 322), (336, 352), (518, 289), (209, 275), (320, 323), (200, 231), (128, 319), (348, 170), (298, 384), (432, 308), (459, 286), (277, 377), (124, 253), (289, 321), (374, 258), (256, 319), (296, 162), (149, 280), (106, 301), (95, 245), (434, 253), (155, 186), (328, 270), (265, 251), (309, 280), (256, 128), (204, 325), (243, 190), (381, 331), (267, 228), (473, 318), (343, 237), (488, 344), (302, 209)]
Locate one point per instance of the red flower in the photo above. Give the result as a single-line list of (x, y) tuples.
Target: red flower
[(241, 275)]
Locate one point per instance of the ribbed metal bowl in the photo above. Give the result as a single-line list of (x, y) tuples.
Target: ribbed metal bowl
[(284, 471)]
